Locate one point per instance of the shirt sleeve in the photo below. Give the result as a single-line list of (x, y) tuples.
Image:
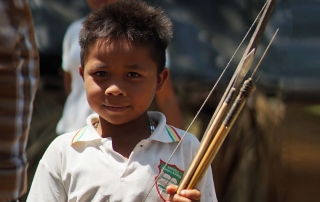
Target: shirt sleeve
[(46, 186), (66, 45), (48, 183), (208, 192), (71, 47)]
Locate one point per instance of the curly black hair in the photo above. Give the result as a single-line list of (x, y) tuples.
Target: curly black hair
[(136, 21)]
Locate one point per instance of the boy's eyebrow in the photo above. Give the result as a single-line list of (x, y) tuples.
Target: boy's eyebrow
[(131, 66), (135, 66), (99, 65)]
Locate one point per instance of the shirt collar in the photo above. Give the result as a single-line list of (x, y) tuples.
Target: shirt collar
[(163, 132), (87, 133)]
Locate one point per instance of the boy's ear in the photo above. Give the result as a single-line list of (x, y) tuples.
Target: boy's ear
[(162, 77), (81, 71)]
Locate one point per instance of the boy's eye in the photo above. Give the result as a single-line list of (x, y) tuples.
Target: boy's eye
[(101, 74), (133, 74)]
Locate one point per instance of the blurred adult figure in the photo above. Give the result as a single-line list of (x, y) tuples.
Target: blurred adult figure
[(19, 74)]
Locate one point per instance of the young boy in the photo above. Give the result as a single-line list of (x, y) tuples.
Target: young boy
[(120, 153)]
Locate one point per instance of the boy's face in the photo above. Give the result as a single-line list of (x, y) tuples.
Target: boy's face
[(120, 80)]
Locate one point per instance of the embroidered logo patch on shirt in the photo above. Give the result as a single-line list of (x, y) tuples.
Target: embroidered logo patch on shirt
[(171, 175)]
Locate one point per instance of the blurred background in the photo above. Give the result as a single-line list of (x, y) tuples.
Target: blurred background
[(273, 151)]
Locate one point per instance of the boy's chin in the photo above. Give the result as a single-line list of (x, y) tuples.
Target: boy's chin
[(123, 119)]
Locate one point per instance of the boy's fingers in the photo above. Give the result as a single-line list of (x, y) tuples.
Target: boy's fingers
[(178, 198), (185, 195), (172, 189), (193, 194), (170, 197)]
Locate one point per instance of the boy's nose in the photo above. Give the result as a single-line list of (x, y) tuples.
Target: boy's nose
[(114, 90)]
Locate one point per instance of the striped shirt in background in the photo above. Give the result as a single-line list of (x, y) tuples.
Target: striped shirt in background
[(19, 74)]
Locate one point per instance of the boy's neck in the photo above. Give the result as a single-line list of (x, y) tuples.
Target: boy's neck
[(126, 136)]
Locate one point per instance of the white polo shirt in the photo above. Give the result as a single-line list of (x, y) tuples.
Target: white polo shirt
[(82, 166)]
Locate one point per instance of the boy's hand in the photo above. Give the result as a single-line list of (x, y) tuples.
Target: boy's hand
[(192, 195)]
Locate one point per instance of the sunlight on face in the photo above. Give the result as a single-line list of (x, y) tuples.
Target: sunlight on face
[(120, 80)]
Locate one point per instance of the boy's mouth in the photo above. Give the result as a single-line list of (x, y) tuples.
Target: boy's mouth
[(116, 108)]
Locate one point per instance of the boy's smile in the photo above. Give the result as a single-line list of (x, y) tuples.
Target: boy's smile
[(120, 80)]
